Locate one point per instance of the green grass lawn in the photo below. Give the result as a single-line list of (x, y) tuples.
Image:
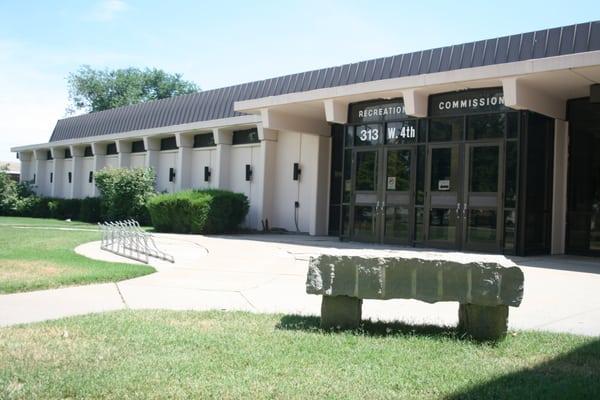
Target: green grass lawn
[(41, 256), (168, 354)]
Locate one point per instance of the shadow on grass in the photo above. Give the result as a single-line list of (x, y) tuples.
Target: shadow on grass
[(573, 375), (370, 328)]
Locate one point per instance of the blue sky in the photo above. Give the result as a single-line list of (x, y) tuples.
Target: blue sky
[(222, 43)]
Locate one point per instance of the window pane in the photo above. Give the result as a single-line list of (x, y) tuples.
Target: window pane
[(366, 170), (510, 222), (396, 223), (445, 129), (485, 126), (204, 140), (347, 181), (349, 136), (401, 132), (444, 167), (419, 224), (481, 226), (442, 224), (367, 135), (420, 193), (138, 146), (484, 169), (364, 221), (512, 121), (345, 220), (510, 194), (245, 136), (398, 170)]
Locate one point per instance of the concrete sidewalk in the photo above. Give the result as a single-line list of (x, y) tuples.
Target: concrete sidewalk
[(266, 273)]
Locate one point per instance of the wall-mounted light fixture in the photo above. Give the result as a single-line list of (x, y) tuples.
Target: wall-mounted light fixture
[(206, 174), (70, 177), (91, 177), (34, 178), (297, 171), (171, 174), (51, 176), (248, 172)]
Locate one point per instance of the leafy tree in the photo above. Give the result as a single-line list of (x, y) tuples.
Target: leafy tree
[(124, 192), (96, 90)]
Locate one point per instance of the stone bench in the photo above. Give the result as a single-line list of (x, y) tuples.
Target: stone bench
[(483, 285)]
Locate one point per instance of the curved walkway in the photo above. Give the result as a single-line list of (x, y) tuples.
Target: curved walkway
[(266, 273)]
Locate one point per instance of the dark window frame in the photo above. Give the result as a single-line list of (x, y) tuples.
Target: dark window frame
[(204, 140), (138, 146), (111, 149), (168, 143), (245, 136)]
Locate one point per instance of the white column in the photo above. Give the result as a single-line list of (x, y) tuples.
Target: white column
[(559, 186), (25, 158), (99, 150), (40, 172), (152, 146), (56, 187), (266, 174), (124, 150), (223, 140), (183, 170), (76, 171)]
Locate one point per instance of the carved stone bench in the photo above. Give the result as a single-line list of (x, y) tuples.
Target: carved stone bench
[(483, 285)]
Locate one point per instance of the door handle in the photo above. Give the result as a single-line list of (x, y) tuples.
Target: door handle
[(465, 209), (457, 210), (377, 207), (382, 206)]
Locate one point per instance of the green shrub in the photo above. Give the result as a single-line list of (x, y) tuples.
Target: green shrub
[(197, 211), (8, 194), (90, 209), (124, 192)]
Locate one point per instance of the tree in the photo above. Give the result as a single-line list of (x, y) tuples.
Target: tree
[(96, 90)]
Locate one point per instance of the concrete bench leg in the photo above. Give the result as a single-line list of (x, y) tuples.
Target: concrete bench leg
[(341, 312), (483, 322)]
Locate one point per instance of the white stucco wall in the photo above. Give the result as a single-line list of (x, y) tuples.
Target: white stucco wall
[(304, 149), (42, 180), (86, 188), (240, 156), (166, 159), (202, 157), (137, 160), (111, 161)]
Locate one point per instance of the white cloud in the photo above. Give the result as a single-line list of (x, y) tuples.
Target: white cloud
[(106, 10)]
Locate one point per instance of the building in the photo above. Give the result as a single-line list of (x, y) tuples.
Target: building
[(490, 146)]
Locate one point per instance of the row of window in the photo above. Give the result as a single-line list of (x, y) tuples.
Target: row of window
[(246, 136)]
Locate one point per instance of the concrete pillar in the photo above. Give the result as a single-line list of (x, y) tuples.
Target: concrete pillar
[(183, 169), (559, 187), (266, 174), (124, 150), (76, 170), (26, 159), (58, 170), (40, 171), (223, 140), (99, 150), (152, 146)]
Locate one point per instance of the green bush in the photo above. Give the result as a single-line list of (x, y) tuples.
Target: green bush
[(124, 192), (8, 194), (198, 211), (90, 209)]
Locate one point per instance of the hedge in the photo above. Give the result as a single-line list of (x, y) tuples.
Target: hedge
[(87, 210), (198, 211)]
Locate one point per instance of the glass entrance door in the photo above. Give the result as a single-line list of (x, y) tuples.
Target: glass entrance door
[(396, 200), (382, 210), (366, 202), (482, 200), (442, 200), (463, 199)]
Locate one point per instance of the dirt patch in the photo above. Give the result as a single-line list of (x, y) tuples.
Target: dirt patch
[(24, 269)]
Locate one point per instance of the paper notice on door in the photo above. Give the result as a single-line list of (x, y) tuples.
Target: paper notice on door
[(444, 184), (391, 183)]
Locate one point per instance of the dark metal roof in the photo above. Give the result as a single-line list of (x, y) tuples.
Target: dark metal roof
[(218, 103)]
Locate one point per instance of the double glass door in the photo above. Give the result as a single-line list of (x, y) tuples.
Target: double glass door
[(383, 208), (463, 200)]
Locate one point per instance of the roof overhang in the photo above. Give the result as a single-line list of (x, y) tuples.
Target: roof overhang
[(550, 80), (233, 123)]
